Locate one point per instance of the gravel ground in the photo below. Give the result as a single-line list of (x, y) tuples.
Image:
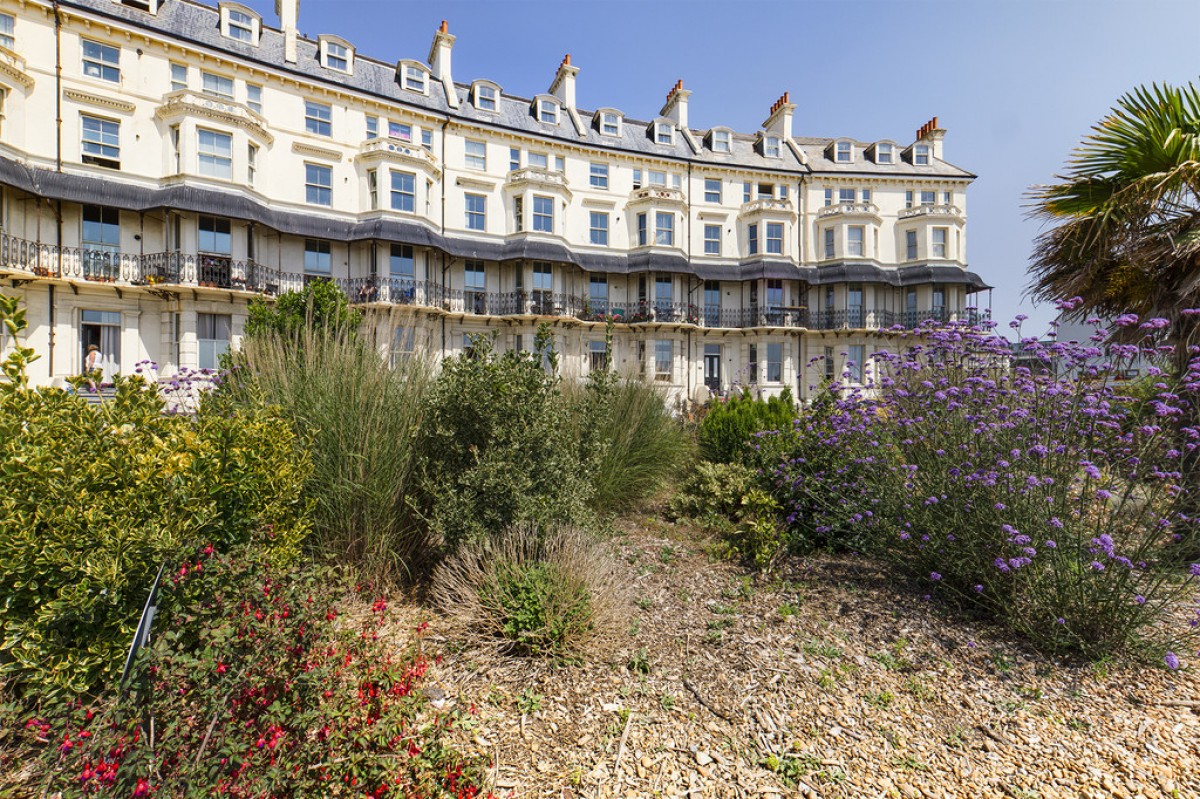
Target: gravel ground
[(831, 680)]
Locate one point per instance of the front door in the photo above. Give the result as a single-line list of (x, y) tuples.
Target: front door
[(712, 366)]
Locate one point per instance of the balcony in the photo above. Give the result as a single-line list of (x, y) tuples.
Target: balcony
[(767, 205), (937, 211), (538, 177), (184, 103), (20, 257), (656, 194), (848, 209), (399, 151), (392, 290)]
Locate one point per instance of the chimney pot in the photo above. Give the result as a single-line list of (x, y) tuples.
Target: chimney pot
[(445, 27)]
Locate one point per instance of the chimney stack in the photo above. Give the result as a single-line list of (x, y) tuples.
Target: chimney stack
[(932, 134), (439, 61), (563, 86), (676, 107), (779, 121), (289, 19)]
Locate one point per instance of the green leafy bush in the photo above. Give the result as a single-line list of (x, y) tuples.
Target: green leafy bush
[(496, 448), (712, 495), (729, 425), (96, 498), (525, 593), (320, 305), (359, 416), (261, 681)]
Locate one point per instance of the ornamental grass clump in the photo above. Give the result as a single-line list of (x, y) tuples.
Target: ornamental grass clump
[(1029, 486), (532, 593), (627, 435), (358, 409)]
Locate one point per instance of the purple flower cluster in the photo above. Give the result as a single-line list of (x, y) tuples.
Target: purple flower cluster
[(965, 444)]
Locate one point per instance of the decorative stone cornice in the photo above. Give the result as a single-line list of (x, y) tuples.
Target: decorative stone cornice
[(111, 103), (316, 152), (12, 65), (185, 103)]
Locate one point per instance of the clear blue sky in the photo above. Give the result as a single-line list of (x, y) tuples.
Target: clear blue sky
[(1016, 83)]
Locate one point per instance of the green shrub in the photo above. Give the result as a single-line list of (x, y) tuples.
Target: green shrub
[(96, 498), (496, 448), (257, 684), (815, 447), (542, 608), (526, 593), (359, 417), (712, 494), (728, 426), (320, 305)]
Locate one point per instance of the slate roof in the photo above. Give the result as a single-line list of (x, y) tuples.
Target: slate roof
[(200, 24)]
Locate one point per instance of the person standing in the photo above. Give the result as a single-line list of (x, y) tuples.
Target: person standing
[(91, 366)]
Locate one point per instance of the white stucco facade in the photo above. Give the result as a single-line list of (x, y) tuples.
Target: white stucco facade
[(206, 157)]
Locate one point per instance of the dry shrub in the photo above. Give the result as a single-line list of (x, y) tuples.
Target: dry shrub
[(529, 592)]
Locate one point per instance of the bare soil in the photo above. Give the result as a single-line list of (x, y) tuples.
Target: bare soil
[(831, 678)]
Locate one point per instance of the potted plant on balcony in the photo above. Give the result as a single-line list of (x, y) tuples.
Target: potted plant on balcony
[(642, 314), (693, 315)]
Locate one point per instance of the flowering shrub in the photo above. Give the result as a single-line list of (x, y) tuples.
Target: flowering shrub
[(1034, 490), (97, 497), (258, 685)]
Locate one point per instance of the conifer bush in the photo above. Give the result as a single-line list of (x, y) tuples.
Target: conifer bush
[(728, 427)]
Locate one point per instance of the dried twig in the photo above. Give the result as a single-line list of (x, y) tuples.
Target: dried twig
[(688, 685), (621, 746)]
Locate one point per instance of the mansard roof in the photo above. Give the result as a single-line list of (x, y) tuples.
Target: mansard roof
[(199, 24)]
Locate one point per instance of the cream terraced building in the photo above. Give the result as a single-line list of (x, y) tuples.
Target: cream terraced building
[(163, 162)]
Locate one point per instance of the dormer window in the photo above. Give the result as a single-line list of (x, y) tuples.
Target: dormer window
[(921, 154), (771, 146), (609, 123), (547, 111), (414, 77), (664, 133), (240, 23), (141, 5), (486, 97), (722, 141), (884, 153), (337, 55), (844, 152)]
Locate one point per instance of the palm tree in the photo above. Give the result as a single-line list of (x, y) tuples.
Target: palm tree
[(1128, 231), (1128, 213)]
